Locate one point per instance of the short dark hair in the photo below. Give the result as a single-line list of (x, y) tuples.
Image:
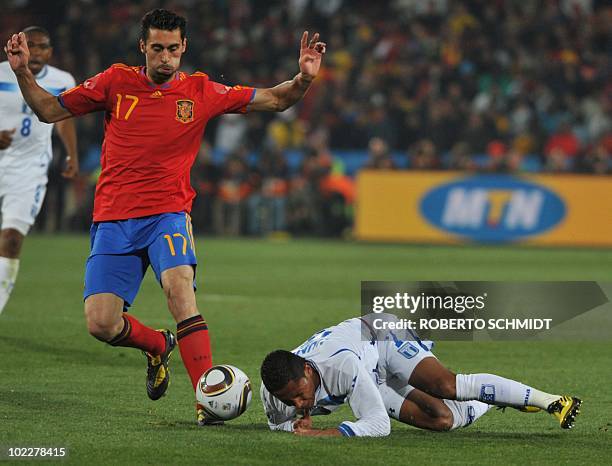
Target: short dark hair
[(279, 367), (162, 19), (38, 29)]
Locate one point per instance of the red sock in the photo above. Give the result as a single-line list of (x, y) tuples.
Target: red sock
[(137, 335), (194, 344)]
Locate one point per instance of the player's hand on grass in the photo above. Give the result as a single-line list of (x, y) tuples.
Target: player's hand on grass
[(71, 168), (304, 422), (17, 52), (6, 138), (310, 56)]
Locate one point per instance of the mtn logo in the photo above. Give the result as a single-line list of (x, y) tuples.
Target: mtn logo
[(493, 208)]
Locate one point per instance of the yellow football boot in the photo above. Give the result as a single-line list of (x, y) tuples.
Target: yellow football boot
[(565, 409)]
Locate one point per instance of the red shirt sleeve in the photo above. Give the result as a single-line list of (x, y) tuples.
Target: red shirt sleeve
[(226, 99), (91, 96)]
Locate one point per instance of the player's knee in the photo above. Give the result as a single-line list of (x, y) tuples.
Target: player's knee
[(178, 292), (444, 388), (444, 422), (178, 287), (172, 288), (177, 281), (10, 243), (440, 416), (99, 327), (98, 330)]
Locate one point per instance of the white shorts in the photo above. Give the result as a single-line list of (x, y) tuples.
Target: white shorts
[(397, 360), (21, 200), (394, 392)]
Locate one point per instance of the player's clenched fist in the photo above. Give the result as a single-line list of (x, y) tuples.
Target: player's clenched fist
[(71, 167), (6, 137), (17, 52), (303, 423)]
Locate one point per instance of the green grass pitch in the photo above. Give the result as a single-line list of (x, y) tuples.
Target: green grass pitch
[(60, 387)]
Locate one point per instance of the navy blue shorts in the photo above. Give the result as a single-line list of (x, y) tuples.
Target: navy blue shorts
[(122, 250)]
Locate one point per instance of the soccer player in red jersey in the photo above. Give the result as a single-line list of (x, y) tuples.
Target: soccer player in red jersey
[(155, 116)]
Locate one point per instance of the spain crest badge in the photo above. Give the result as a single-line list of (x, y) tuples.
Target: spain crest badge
[(184, 110)]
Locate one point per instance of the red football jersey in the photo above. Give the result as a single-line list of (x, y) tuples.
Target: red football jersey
[(152, 135)]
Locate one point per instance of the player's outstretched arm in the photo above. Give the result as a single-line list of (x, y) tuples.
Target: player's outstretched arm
[(318, 433), (45, 105), (366, 402), (283, 96)]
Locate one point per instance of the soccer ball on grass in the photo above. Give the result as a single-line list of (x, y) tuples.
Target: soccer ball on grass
[(224, 392)]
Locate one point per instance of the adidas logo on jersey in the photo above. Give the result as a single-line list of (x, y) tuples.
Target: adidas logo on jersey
[(157, 95)]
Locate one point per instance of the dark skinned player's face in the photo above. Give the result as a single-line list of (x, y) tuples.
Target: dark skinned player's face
[(301, 392), (163, 51), (40, 51)]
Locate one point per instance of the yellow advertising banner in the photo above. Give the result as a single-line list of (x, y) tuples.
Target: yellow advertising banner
[(455, 207)]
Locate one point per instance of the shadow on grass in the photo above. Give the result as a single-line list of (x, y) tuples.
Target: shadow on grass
[(227, 428), (480, 435), (43, 401), (525, 438), (70, 354)]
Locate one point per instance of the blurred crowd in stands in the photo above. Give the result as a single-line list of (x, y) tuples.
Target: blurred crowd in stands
[(483, 85)]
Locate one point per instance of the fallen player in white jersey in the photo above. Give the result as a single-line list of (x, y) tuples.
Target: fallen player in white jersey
[(381, 376)]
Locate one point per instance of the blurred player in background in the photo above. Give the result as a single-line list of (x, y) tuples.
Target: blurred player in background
[(382, 376), (155, 118), (25, 153)]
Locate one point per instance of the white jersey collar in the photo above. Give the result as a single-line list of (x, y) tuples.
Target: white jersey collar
[(42, 73)]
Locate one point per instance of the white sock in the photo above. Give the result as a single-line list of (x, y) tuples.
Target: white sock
[(465, 412), (8, 275), (496, 390)]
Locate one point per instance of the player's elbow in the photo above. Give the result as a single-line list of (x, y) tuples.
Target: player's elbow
[(380, 427), (44, 118), (48, 117), (280, 427), (50, 111)]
